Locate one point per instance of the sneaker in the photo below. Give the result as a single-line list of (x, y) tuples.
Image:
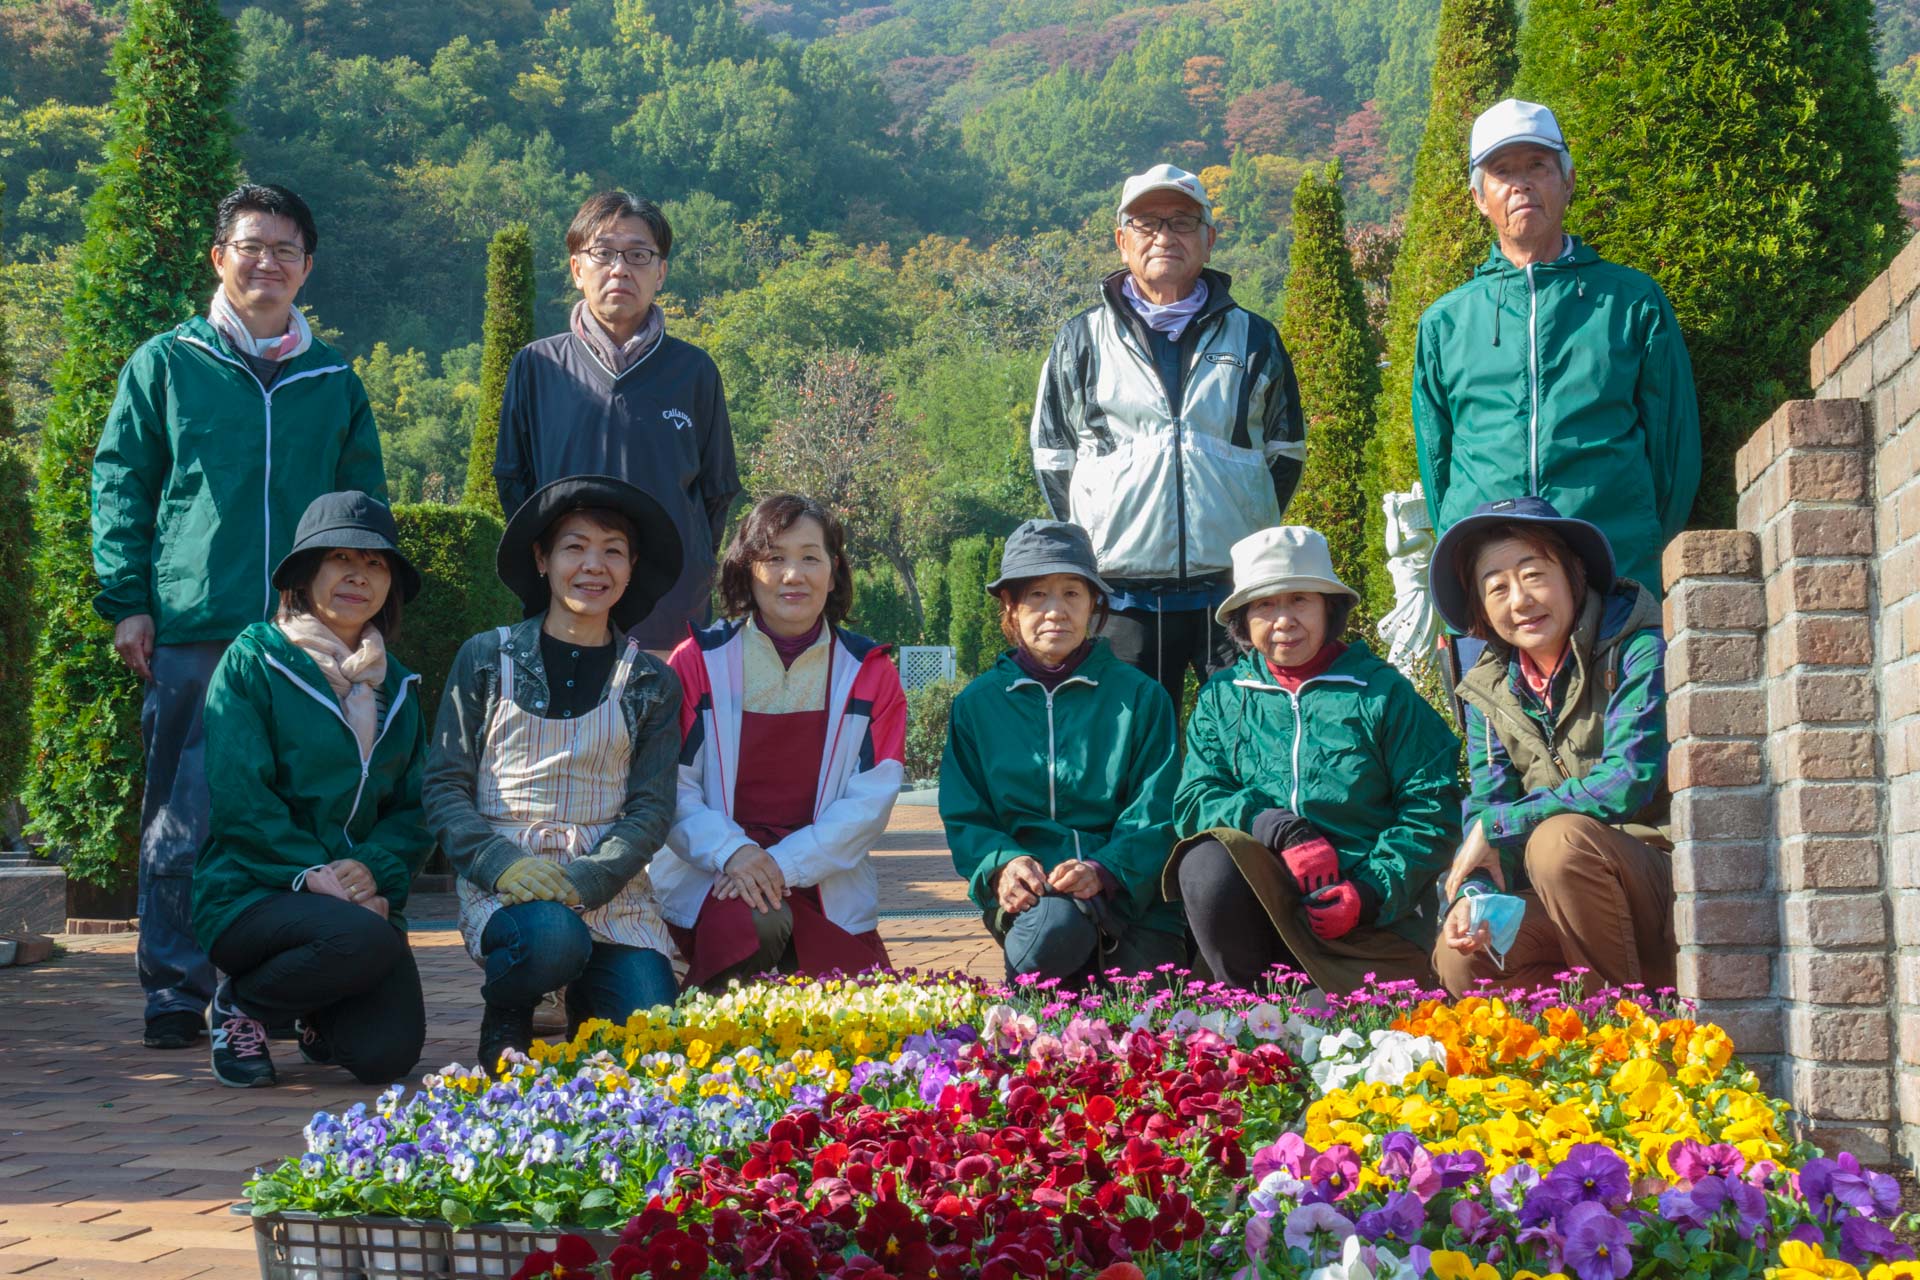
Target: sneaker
[(176, 1030), (240, 1059), (314, 1045), (502, 1029)]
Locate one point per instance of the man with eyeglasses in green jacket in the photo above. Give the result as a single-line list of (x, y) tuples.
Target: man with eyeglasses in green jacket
[(222, 431)]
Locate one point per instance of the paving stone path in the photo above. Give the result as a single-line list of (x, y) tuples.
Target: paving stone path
[(119, 1161)]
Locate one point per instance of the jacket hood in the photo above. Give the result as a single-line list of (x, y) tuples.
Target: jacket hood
[(1498, 263), (709, 638), (1357, 662), (272, 643), (1219, 296), (318, 354), (1097, 663)]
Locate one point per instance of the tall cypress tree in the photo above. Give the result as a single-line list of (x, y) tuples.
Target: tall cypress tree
[(143, 267), (16, 581), (507, 328), (1743, 154), (1324, 326), (1474, 62)]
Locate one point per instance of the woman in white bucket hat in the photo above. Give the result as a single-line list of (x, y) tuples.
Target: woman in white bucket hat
[(1317, 777)]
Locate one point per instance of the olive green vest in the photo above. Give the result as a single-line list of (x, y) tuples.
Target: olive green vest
[(1579, 729)]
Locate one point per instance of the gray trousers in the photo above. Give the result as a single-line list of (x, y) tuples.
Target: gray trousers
[(174, 972)]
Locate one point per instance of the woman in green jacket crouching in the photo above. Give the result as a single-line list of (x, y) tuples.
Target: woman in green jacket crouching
[(315, 740), (1318, 778), (1057, 785)]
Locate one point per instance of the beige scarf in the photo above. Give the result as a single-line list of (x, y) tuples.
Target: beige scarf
[(353, 674)]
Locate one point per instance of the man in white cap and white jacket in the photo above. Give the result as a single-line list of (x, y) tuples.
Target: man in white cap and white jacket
[(1167, 425)]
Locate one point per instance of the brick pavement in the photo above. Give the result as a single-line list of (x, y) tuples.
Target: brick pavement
[(117, 1160)]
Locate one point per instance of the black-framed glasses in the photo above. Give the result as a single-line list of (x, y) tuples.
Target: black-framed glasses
[(602, 255), (285, 253), (1181, 224)]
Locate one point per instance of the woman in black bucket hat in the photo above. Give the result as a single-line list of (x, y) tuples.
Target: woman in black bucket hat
[(315, 741), (551, 781)]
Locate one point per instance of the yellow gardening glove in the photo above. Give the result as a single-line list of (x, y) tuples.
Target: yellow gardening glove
[(535, 880)]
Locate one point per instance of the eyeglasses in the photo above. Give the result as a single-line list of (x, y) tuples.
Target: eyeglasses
[(1181, 224), (603, 255), (283, 253)]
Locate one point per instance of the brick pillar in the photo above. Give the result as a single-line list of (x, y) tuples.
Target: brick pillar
[(1805, 479), (1726, 911)]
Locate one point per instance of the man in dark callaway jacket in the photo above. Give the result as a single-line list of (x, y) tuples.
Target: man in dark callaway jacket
[(1168, 426), (616, 395)]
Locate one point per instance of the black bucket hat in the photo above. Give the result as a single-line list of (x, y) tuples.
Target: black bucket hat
[(1040, 547), (349, 519), (1586, 540), (656, 560)]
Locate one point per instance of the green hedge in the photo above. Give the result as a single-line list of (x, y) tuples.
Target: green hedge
[(453, 548), (928, 710), (142, 268)]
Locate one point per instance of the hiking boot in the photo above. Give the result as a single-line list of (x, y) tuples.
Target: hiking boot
[(314, 1045), (240, 1059), (502, 1029), (176, 1030)]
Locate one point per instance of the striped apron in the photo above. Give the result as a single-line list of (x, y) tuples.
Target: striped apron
[(553, 787)]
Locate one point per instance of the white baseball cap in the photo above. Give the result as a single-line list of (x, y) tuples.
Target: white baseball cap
[(1506, 123), (1164, 177)]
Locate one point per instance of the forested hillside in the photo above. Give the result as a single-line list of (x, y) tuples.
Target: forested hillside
[(925, 183)]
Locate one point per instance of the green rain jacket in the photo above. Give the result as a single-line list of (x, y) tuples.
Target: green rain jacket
[(1566, 380), (290, 790), (201, 477), (1085, 772), (1356, 751)]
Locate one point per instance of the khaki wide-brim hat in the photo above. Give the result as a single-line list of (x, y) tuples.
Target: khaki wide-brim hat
[(1288, 557)]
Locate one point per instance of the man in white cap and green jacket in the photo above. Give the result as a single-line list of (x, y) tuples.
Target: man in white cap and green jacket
[(223, 430), (1553, 373), (1168, 426)]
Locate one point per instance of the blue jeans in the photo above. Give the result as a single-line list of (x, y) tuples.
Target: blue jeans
[(537, 947), (174, 971)]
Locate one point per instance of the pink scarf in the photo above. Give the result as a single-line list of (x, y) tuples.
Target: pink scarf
[(223, 317), (352, 674), (617, 356)]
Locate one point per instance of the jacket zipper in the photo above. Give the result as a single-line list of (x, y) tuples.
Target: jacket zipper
[(1299, 725), (266, 485), (1052, 800), (1533, 384), (366, 761)]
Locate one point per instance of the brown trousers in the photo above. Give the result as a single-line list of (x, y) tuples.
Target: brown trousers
[(1600, 900)]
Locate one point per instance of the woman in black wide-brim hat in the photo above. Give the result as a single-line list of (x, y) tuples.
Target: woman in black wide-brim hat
[(551, 781), (315, 741)]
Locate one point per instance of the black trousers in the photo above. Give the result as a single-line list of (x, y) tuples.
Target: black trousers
[(1165, 645), (1231, 929), (338, 966)]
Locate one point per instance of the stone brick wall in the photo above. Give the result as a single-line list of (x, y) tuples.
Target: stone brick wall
[(1794, 678)]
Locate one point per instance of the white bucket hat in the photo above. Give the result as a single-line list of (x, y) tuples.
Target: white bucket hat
[(1288, 557)]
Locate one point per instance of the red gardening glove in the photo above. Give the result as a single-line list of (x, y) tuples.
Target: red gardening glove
[(1333, 912), (1313, 864)]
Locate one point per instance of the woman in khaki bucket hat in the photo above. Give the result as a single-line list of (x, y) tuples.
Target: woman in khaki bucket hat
[(1317, 776)]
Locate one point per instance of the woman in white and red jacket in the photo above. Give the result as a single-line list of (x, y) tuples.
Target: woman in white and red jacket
[(793, 732)]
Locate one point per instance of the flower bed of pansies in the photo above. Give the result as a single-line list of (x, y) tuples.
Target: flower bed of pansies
[(915, 1126)]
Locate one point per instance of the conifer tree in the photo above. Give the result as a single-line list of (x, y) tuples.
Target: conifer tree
[(1324, 327), (1742, 153), (967, 579), (16, 581), (1474, 62), (507, 328), (143, 267)]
